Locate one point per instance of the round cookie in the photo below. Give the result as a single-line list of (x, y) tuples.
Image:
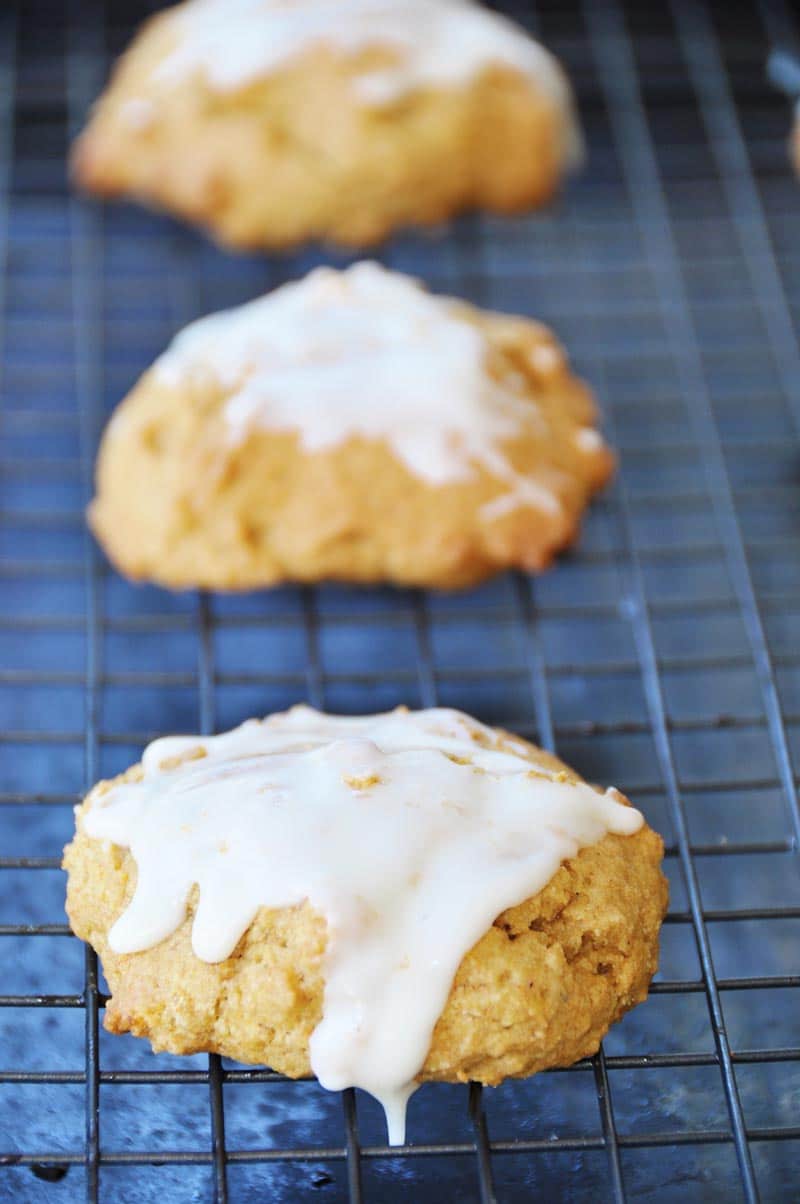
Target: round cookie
[(271, 124), (352, 427), (539, 989)]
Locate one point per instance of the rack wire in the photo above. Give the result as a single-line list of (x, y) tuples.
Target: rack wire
[(661, 655)]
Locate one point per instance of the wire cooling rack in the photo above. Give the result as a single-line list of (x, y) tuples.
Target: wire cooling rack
[(661, 655)]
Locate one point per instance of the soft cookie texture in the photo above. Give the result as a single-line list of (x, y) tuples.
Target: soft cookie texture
[(539, 989), (350, 427), (270, 124)]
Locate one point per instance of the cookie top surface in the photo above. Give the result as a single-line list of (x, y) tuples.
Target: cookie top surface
[(233, 43), (409, 832), (365, 352)]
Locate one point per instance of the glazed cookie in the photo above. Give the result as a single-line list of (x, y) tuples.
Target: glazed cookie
[(380, 901), (271, 123), (349, 426)]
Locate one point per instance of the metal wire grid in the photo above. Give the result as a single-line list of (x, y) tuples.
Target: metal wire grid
[(661, 656)]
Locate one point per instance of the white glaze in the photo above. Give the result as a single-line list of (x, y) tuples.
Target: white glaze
[(365, 353), (138, 113), (432, 42), (546, 358), (408, 852), (588, 439)]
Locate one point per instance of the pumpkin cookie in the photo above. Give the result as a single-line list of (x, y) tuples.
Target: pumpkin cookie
[(381, 900), (271, 123), (350, 426)]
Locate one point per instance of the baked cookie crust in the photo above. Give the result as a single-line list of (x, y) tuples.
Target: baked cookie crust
[(297, 154), (539, 989)]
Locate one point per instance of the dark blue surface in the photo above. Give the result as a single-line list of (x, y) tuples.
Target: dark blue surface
[(90, 298)]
